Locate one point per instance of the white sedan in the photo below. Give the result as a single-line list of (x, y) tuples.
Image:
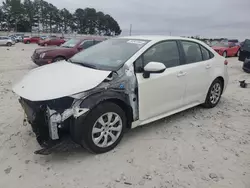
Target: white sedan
[(120, 84)]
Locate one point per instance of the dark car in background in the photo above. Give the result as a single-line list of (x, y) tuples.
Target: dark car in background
[(51, 41), (43, 56), (245, 55)]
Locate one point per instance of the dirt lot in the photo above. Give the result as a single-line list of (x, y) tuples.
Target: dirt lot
[(198, 148)]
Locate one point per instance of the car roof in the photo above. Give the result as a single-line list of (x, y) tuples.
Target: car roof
[(157, 38)]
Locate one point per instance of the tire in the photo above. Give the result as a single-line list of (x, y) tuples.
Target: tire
[(224, 54), (212, 102), (82, 131), (27, 42), (58, 59), (9, 44)]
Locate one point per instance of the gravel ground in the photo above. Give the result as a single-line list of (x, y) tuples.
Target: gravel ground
[(198, 148)]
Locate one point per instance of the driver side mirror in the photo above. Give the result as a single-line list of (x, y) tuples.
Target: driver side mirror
[(153, 67)]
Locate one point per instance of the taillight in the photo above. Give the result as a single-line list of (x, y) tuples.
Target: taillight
[(225, 62)]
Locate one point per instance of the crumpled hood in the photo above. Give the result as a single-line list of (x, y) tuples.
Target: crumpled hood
[(58, 80)]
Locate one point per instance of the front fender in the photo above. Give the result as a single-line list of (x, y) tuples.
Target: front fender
[(96, 98)]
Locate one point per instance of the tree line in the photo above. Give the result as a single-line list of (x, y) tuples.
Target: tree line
[(41, 16)]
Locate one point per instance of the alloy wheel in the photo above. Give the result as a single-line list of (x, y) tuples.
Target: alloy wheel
[(107, 129), (215, 93)]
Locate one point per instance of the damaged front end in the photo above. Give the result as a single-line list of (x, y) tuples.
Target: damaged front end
[(52, 120)]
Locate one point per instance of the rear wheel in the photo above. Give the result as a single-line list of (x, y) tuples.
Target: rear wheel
[(214, 94), (102, 129), (27, 42), (224, 54), (9, 44)]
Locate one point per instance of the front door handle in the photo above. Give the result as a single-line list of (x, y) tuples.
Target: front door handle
[(208, 66), (181, 73)]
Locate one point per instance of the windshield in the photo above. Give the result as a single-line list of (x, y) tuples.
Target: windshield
[(71, 43), (110, 54), (221, 45)]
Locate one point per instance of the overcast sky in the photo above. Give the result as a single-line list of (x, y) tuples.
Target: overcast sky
[(230, 18)]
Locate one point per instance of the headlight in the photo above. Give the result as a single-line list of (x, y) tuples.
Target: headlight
[(42, 55)]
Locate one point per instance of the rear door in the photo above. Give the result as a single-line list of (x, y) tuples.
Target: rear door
[(245, 50), (197, 66)]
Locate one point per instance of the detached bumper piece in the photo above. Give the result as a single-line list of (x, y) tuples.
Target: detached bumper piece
[(51, 128)]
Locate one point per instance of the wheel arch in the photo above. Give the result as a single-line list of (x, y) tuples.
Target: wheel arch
[(59, 56), (222, 81), (119, 98)]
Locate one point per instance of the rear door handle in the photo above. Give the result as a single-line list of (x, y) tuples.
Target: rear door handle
[(208, 66), (181, 73)]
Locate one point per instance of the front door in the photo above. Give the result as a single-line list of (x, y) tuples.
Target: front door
[(162, 92), (198, 67), (245, 50)]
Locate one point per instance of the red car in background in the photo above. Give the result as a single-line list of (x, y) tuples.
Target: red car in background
[(29, 40), (52, 41), (229, 49), (47, 55)]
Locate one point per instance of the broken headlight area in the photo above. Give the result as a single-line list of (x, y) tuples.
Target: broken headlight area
[(51, 120)]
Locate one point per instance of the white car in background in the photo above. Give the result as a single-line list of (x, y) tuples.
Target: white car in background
[(117, 84), (6, 41)]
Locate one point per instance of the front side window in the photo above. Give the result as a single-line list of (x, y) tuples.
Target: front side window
[(164, 52), (192, 52), (110, 54)]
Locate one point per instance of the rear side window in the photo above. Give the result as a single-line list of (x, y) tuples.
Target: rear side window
[(206, 54), (192, 52)]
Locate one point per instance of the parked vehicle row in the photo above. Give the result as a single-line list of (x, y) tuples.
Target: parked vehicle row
[(47, 55), (118, 84)]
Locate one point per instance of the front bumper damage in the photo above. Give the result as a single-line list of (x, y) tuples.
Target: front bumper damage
[(50, 121)]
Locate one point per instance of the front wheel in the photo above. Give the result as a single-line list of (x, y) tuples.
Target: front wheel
[(214, 94), (9, 44), (28, 42), (102, 129)]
